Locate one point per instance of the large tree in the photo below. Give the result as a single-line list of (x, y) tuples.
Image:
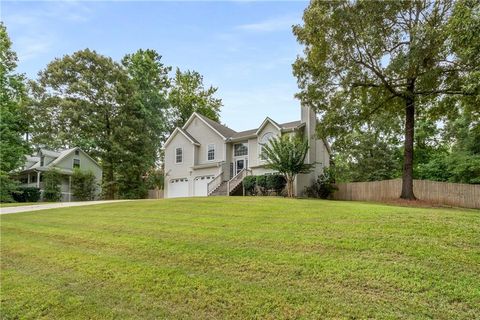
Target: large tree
[(13, 124), (144, 120), (78, 99), (188, 95), (365, 58), (13, 98)]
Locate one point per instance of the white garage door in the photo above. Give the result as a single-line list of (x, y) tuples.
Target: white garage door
[(200, 186), (178, 188)]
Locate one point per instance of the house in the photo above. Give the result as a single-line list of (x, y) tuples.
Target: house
[(64, 161), (206, 158)]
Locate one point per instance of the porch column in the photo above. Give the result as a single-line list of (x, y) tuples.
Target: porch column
[(69, 188), (38, 179), (28, 179)]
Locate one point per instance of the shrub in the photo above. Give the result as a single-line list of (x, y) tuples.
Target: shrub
[(276, 182), (261, 182), (84, 185), (323, 187), (7, 187), (51, 182), (249, 183), (27, 194)]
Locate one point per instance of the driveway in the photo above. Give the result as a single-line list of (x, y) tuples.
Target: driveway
[(45, 206)]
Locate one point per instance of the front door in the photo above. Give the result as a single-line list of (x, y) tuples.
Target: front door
[(240, 164)]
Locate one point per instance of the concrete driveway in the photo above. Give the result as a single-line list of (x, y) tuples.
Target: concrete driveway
[(44, 206)]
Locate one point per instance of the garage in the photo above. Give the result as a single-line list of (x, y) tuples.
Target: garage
[(200, 186), (178, 188)]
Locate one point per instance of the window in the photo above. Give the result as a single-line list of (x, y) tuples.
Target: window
[(178, 155), (76, 163), (263, 142), (211, 152), (33, 178), (240, 149), (42, 161), (77, 152)]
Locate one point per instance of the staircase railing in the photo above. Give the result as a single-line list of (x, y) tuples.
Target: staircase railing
[(215, 183), (235, 181)]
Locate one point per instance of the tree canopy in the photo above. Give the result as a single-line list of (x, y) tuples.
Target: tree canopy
[(390, 59), (286, 154)]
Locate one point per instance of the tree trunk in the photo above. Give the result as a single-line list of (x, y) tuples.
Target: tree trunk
[(407, 176)]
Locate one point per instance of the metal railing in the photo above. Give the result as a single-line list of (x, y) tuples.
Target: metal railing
[(215, 183)]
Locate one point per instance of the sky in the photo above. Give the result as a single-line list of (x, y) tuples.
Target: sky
[(244, 48)]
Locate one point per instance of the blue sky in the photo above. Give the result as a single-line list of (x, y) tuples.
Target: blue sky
[(244, 48)]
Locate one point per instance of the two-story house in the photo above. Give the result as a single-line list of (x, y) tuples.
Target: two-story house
[(63, 161), (206, 158)]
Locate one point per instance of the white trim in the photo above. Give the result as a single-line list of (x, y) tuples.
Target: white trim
[(267, 119), (242, 155), (177, 129), (208, 149), (176, 148), (199, 117)]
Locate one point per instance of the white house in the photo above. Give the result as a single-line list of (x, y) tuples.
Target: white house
[(64, 161), (206, 158)]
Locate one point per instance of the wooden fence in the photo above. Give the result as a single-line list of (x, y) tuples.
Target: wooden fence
[(454, 194), (155, 194)]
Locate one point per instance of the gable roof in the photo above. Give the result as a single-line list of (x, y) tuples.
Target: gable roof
[(186, 135), (224, 131), (264, 123), (229, 134), (33, 162)]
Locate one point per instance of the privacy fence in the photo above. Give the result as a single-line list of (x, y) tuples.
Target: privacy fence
[(155, 194), (453, 194)]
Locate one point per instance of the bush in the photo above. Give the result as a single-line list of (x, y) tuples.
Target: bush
[(261, 182), (276, 182), (27, 194), (323, 187), (84, 185), (7, 187), (51, 190), (249, 183)]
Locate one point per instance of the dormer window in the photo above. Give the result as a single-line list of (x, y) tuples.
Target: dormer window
[(42, 161), (178, 155), (211, 152)]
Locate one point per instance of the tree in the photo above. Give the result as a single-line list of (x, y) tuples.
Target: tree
[(13, 124), (286, 154), (84, 185), (13, 99), (144, 120), (52, 180), (366, 58), (77, 102), (188, 95)]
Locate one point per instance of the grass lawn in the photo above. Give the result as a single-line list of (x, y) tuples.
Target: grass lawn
[(19, 204), (242, 258)]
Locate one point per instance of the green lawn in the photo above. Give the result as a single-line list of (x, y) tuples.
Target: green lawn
[(242, 258), (18, 204)]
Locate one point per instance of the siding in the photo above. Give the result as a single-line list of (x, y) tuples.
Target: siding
[(205, 136)]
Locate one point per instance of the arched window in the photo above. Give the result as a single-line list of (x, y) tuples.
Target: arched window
[(264, 140)]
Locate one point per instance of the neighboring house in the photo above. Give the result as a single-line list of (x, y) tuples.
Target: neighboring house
[(64, 161), (206, 158)]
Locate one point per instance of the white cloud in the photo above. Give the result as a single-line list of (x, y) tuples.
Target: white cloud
[(31, 30), (271, 25), (29, 47)]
